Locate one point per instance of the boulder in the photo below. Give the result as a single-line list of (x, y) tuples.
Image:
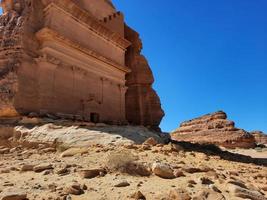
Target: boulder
[(214, 128)]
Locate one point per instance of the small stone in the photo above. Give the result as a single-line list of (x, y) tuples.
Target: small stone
[(178, 173), (43, 167), (26, 168), (91, 173), (179, 194), (214, 188), (206, 181), (4, 171), (140, 169), (74, 151), (207, 194), (138, 196), (46, 172), (13, 195), (122, 184), (151, 142), (48, 150), (4, 150), (191, 182), (63, 171), (163, 170), (74, 189), (245, 193)]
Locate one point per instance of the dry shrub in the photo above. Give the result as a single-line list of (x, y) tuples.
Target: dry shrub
[(126, 162)]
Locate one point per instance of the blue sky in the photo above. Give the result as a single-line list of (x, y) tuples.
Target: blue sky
[(206, 56)]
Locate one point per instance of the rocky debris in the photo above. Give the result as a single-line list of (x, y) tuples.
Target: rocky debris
[(138, 196), (207, 194), (27, 167), (122, 184), (163, 170), (49, 150), (175, 194), (151, 142), (178, 194), (205, 181), (92, 173), (74, 151), (170, 148), (137, 168), (246, 193), (178, 173), (75, 189), (214, 129), (4, 150), (27, 120), (191, 170), (13, 194), (42, 167), (62, 172), (260, 137)]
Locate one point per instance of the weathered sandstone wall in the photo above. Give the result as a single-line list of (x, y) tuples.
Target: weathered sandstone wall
[(70, 59), (260, 137), (140, 97)]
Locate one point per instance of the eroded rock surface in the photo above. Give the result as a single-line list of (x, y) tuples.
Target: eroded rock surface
[(214, 128), (260, 137)]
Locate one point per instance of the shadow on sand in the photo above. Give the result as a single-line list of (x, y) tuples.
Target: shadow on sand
[(213, 150)]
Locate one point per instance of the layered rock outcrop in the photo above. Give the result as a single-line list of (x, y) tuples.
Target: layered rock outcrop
[(74, 59), (214, 128), (260, 137)]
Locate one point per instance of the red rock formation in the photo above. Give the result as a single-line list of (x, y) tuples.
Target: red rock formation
[(74, 59), (260, 137), (142, 102), (214, 129)]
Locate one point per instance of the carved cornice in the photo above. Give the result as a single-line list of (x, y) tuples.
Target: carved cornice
[(47, 34), (85, 18)]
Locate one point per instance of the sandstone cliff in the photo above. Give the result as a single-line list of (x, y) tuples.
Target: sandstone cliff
[(74, 59), (140, 97), (214, 128)]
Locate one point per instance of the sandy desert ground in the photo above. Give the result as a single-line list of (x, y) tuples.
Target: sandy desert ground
[(114, 171)]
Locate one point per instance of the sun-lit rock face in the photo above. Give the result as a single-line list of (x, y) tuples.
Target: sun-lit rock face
[(260, 137), (98, 8), (74, 59), (214, 128)]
